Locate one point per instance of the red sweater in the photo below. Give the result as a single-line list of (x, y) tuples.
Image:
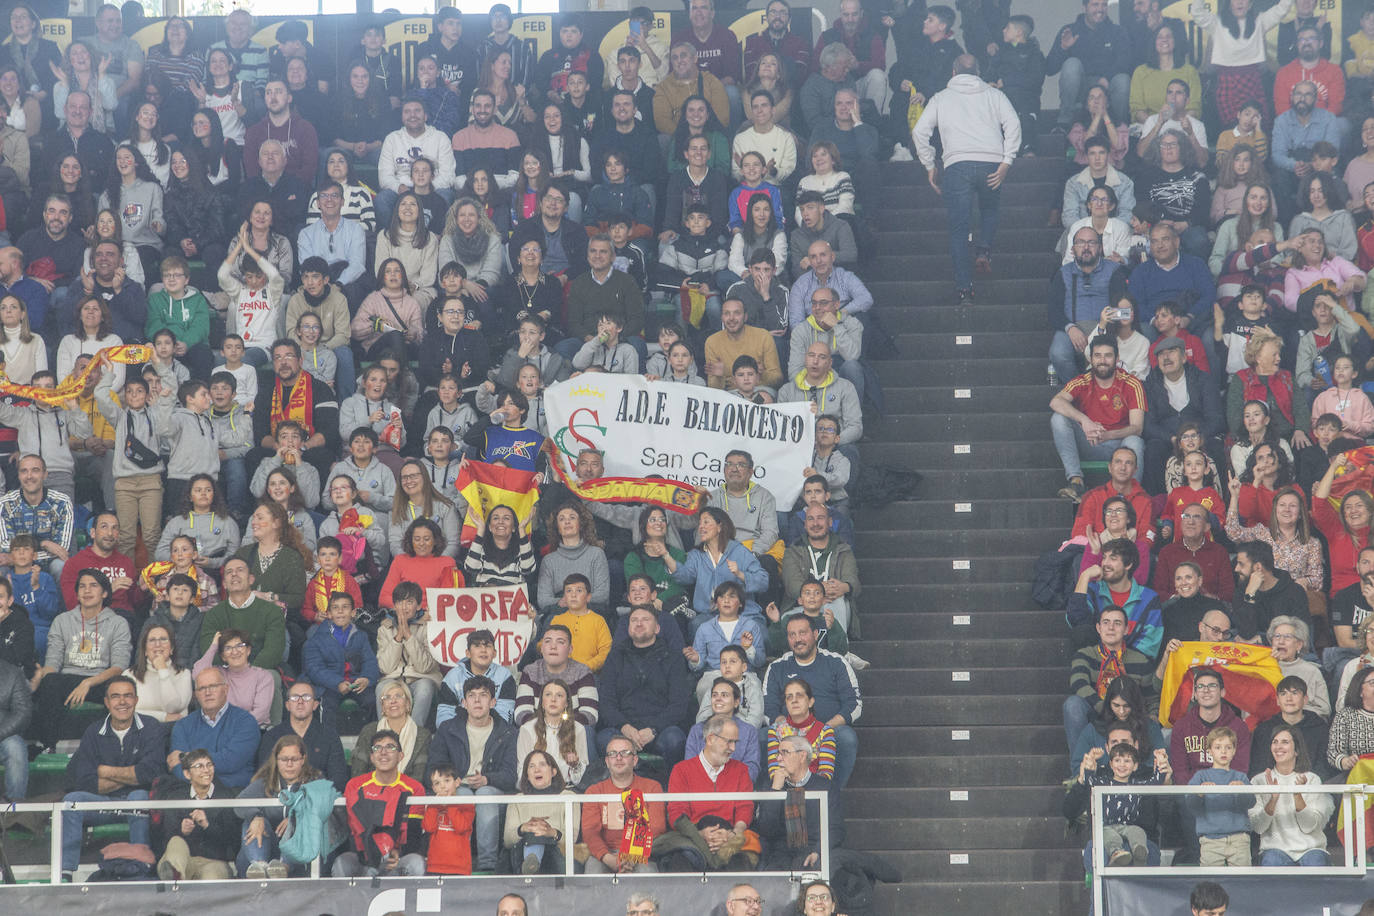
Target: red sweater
[(449, 828), (1344, 549), (317, 593), (690, 776), (1217, 577), (114, 566), (426, 572), (603, 825)]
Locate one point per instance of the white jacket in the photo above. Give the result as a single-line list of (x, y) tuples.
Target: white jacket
[(976, 123), (400, 149)]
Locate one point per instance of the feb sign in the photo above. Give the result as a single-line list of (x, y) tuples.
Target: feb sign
[(455, 612)]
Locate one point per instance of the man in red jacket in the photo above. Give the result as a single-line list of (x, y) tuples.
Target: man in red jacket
[(1123, 483), (710, 835)]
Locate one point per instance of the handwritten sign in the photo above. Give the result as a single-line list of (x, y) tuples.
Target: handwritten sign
[(504, 610)]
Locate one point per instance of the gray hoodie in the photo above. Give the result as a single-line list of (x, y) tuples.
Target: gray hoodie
[(233, 430), (106, 643), (217, 536), (839, 398), (460, 420), (190, 436), (376, 479), (621, 359), (43, 431), (144, 427), (552, 367), (355, 410), (307, 479), (755, 515)]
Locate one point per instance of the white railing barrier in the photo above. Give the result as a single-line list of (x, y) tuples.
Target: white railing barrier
[(1352, 799), (572, 826)]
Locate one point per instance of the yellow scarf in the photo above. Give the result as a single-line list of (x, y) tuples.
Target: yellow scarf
[(72, 386)]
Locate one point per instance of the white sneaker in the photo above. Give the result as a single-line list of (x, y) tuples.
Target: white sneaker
[(858, 664), (256, 871), (900, 153), (276, 869)]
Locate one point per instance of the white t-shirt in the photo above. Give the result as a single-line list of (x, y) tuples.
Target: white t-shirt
[(256, 318)]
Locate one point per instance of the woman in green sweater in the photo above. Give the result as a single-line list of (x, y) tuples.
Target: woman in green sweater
[(277, 558), (647, 558)]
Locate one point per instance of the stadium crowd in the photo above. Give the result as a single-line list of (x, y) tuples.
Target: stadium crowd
[(1218, 221), (351, 283)]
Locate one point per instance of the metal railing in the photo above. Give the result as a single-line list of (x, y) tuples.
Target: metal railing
[(571, 825), (1351, 806)]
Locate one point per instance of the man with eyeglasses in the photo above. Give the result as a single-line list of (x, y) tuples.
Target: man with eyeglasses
[(1093, 668), (228, 733), (1193, 544), (1266, 592), (743, 900), (340, 242), (324, 749), (385, 830), (603, 824), (195, 843), (118, 759), (709, 836), (1111, 581), (1188, 745), (641, 905), (786, 849), (296, 395)]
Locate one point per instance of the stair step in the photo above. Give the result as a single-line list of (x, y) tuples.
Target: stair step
[(952, 597), (967, 427), (980, 740), (1022, 370), (942, 653), (987, 865), (954, 451), (1032, 266), (977, 345), (1047, 165), (904, 571), (939, 624), (1031, 211), (1049, 897), (1046, 771), (949, 398), (941, 543), (1026, 190), (958, 833), (1039, 710), (971, 483), (990, 801), (922, 239), (1044, 512), (920, 682)]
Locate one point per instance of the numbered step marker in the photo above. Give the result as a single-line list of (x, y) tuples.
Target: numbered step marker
[(962, 393), (962, 448), (963, 620), (959, 676), (958, 794), (963, 507), (958, 858), (961, 564), (963, 340), (959, 734)]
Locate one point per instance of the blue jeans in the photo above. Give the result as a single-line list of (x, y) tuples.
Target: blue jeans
[(1073, 447), (14, 756), (348, 865), (1333, 660), (1077, 714), (1313, 858), (73, 824), (233, 474), (850, 369), (346, 375), (1073, 93), (846, 751), (1064, 357), (486, 828), (963, 183)]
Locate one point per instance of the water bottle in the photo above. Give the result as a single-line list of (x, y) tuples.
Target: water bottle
[(1052, 377), (1322, 368)]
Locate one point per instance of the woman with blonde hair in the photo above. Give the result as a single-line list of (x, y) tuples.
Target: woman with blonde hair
[(24, 351)]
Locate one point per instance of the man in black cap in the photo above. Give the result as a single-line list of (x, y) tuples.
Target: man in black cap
[(1178, 392)]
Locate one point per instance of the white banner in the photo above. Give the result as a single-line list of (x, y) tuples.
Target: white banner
[(455, 612), (679, 431)]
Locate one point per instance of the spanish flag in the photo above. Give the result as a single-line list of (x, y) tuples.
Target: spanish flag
[(486, 486), (1249, 673)]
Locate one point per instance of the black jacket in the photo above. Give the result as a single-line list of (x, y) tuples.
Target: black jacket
[(1286, 597), (16, 703), (1104, 51), (1204, 405), (323, 749), (646, 688), (574, 242), (219, 841), (1021, 68), (771, 824), (464, 347), (499, 766), (16, 640), (144, 748), (1314, 732)]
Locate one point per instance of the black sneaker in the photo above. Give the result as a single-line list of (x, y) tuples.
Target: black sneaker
[(965, 296)]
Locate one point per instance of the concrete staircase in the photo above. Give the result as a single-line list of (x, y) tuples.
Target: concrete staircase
[(961, 746)]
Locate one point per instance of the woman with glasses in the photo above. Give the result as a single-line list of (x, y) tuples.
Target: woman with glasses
[(164, 687), (250, 688), (1118, 521), (286, 772), (396, 713), (416, 498), (1102, 216)]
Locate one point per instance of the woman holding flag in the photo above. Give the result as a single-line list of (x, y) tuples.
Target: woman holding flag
[(1346, 531)]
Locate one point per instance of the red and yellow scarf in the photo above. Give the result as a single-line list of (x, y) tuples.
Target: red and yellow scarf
[(299, 406), (637, 840), (71, 387)]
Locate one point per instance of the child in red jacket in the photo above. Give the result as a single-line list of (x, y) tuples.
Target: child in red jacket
[(449, 827)]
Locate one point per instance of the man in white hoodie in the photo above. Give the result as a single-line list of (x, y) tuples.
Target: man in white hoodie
[(414, 139), (981, 135)]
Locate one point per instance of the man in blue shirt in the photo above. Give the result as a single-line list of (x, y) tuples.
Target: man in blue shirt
[(340, 242), (230, 734), (1300, 128), (833, 683)]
